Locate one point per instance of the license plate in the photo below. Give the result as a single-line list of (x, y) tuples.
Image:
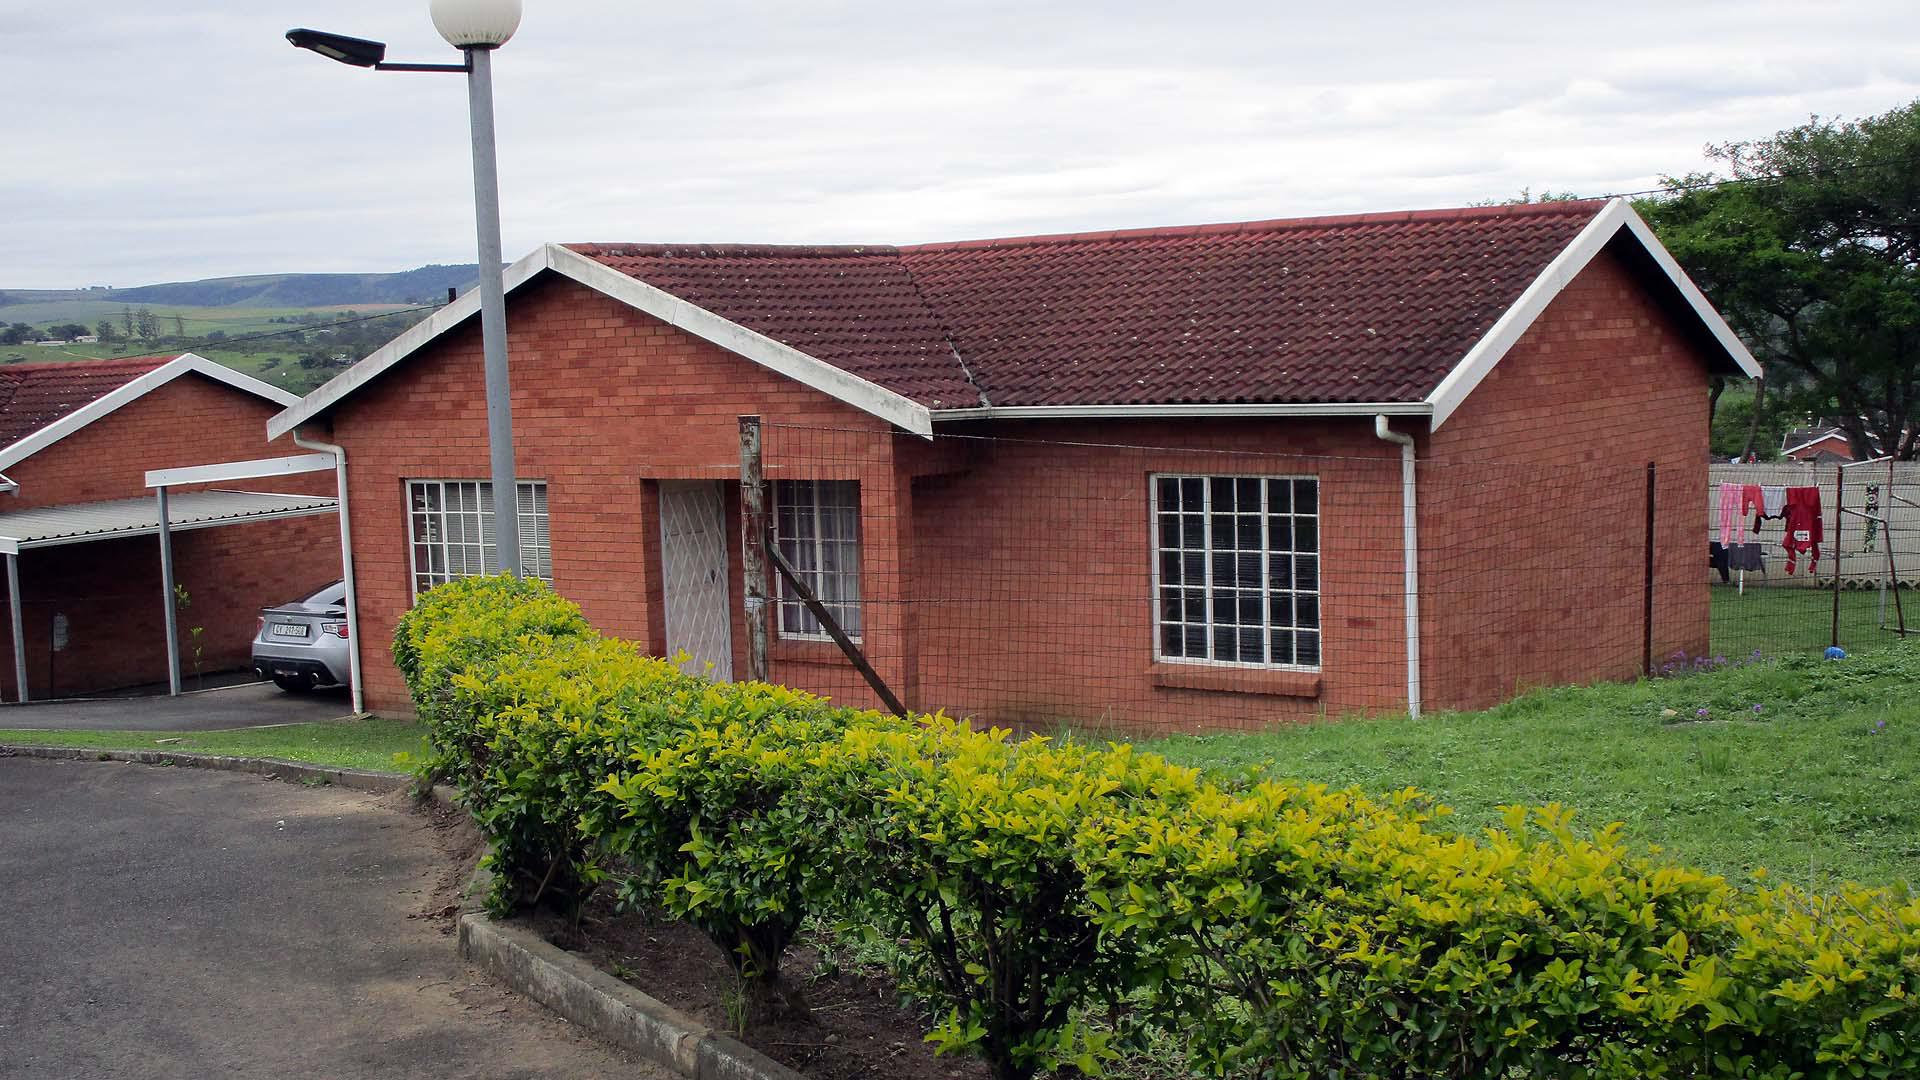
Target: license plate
[(289, 630)]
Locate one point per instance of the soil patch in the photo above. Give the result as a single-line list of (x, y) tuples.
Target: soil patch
[(858, 1029)]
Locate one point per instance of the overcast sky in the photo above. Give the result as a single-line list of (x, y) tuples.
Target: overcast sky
[(164, 141)]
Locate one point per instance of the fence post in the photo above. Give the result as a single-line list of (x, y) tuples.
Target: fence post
[(753, 535), (1646, 596), (1839, 516)]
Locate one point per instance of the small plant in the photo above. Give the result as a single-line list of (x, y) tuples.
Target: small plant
[(182, 600), (1714, 759)]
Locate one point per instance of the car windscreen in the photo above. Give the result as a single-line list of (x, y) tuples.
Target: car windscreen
[(332, 595)]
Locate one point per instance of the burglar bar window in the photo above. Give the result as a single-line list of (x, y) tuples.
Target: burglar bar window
[(1238, 570), (817, 529), (450, 530)]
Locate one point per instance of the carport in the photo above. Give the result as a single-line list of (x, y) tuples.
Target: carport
[(82, 523)]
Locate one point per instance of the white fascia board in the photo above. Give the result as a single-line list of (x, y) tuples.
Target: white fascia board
[(1155, 412), (782, 359), (240, 470), (409, 342), (8, 486), (1815, 442), (133, 390), (1514, 322)]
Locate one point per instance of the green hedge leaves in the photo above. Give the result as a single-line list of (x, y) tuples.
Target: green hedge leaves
[(1051, 901)]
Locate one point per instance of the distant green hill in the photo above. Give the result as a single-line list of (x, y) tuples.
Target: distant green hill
[(426, 284)]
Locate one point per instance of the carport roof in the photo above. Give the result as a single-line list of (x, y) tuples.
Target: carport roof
[(79, 523)]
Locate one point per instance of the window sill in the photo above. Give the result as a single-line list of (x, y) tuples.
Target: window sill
[(805, 651), (1231, 680)]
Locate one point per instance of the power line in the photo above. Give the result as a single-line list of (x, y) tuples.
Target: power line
[(1767, 178)]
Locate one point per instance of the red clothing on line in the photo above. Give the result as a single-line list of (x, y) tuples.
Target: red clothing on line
[(1804, 528)]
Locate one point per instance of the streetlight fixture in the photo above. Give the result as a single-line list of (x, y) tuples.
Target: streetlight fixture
[(476, 27)]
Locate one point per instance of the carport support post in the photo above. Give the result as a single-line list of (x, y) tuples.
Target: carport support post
[(753, 560), (19, 627), (166, 589)]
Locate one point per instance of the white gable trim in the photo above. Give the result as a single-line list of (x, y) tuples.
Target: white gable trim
[(1828, 437), (135, 389), (1507, 330), (783, 359)]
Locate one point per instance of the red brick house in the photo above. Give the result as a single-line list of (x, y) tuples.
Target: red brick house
[(77, 520), (1151, 479)]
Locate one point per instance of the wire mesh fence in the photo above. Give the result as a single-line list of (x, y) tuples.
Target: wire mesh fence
[(1057, 577), (1803, 556)]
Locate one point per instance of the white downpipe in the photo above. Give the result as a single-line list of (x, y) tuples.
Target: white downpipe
[(1410, 542), (346, 560)]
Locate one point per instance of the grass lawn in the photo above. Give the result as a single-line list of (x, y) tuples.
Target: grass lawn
[(350, 744), (1818, 785), (1784, 620)]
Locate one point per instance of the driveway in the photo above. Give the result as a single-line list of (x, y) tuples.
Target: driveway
[(247, 705), (177, 923)]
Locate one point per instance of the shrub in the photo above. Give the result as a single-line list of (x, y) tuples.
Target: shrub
[(716, 820), (962, 845)]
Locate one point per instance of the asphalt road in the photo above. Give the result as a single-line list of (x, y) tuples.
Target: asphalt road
[(250, 705), (176, 923)]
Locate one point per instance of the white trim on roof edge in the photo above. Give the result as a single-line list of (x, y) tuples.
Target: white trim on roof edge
[(1507, 330), (783, 359), (1154, 412), (135, 389), (1789, 450)]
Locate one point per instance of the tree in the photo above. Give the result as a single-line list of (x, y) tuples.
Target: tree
[(16, 334), (106, 332), (126, 320), (1809, 244), (66, 332)]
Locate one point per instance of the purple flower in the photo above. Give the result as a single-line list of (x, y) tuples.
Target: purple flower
[(1757, 708), (1702, 712)]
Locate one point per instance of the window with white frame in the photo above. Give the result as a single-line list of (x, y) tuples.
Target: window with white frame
[(450, 530), (1238, 569), (816, 526)]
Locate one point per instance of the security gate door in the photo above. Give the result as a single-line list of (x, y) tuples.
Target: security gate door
[(693, 553)]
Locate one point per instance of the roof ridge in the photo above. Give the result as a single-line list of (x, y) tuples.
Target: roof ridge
[(1272, 225), (615, 250)]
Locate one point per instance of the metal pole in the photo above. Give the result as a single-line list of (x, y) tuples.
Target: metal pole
[(1893, 571), (493, 314), (166, 589), (19, 628), (753, 529), (1646, 588), (1839, 518)]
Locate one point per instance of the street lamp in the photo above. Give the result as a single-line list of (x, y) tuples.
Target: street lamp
[(477, 27)]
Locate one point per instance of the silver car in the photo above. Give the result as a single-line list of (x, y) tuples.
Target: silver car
[(304, 644)]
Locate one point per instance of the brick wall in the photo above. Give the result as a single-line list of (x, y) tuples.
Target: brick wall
[(1603, 383), (109, 590), (605, 400)]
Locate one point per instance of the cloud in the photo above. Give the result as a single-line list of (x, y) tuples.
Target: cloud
[(162, 143)]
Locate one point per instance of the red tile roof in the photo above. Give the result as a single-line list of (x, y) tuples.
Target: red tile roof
[(35, 395), (1363, 308)]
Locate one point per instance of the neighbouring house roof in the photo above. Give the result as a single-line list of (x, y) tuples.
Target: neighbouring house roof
[(77, 523), (1402, 312), (40, 404)]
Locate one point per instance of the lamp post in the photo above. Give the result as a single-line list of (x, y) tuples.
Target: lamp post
[(476, 27)]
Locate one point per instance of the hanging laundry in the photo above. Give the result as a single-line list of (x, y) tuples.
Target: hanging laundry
[(1730, 512), (1773, 500), (1717, 558), (1749, 556), (1805, 531)]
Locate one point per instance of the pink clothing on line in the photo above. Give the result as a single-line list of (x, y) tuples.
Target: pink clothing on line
[(1731, 498)]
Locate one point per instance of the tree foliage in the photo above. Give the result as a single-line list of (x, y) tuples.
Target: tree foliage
[(1809, 244)]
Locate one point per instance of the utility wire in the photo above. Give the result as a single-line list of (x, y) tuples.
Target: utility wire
[(1767, 178)]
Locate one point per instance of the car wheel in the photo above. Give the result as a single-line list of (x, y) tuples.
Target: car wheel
[(294, 684)]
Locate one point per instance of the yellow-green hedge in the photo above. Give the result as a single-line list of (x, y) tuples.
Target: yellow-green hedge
[(1279, 931)]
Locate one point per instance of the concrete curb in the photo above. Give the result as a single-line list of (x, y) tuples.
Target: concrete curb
[(357, 779), (609, 1008)]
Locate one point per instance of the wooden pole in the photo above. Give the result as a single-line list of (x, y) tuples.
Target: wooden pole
[(832, 627), (754, 542), (1646, 590)]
